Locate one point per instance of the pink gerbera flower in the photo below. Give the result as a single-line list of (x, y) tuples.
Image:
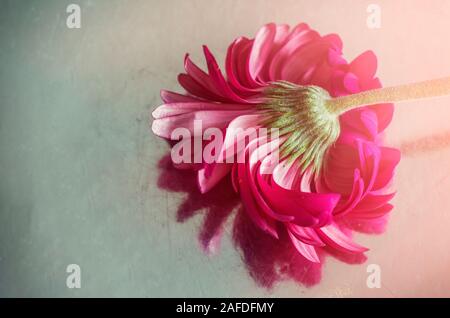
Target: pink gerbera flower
[(317, 211)]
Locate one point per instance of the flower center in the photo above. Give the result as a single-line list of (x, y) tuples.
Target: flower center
[(301, 114)]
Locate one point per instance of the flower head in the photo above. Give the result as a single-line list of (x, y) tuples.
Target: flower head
[(317, 192)]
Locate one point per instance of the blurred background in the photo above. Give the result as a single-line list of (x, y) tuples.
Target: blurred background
[(78, 162)]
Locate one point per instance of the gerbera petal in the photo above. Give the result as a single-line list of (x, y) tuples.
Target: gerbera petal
[(240, 129), (309, 209), (364, 66), (389, 159), (308, 251), (208, 178), (164, 127), (302, 36), (371, 213), (171, 97), (266, 224), (261, 49), (374, 201), (196, 89), (299, 67), (237, 67), (219, 81), (354, 198), (172, 109), (200, 76), (334, 237), (305, 234)]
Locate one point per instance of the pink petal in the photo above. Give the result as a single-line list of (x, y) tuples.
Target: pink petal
[(304, 61), (309, 209), (351, 83), (206, 181), (261, 49), (372, 213), (236, 133), (308, 251), (305, 234), (237, 66), (374, 201), (164, 127), (200, 76), (167, 110), (390, 157), (354, 198), (302, 36), (365, 65), (334, 237), (218, 79), (266, 224), (196, 89), (171, 97)]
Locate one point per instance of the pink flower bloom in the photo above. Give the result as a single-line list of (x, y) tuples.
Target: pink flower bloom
[(317, 213)]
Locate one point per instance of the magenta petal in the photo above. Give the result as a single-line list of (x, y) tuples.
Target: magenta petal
[(389, 159), (355, 196), (302, 37), (305, 234), (164, 127), (370, 121), (351, 83), (208, 179), (365, 65), (280, 37), (261, 49), (372, 213), (304, 61), (309, 209), (374, 201), (308, 251), (235, 178), (251, 207), (335, 41), (370, 155), (334, 237), (196, 89), (171, 97), (339, 169), (167, 110), (235, 135), (264, 206), (218, 79), (200, 76), (237, 67), (335, 58), (255, 178)]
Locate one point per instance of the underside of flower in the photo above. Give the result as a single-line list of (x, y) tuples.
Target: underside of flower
[(300, 113)]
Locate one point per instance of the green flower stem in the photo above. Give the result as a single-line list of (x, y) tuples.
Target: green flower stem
[(401, 93)]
